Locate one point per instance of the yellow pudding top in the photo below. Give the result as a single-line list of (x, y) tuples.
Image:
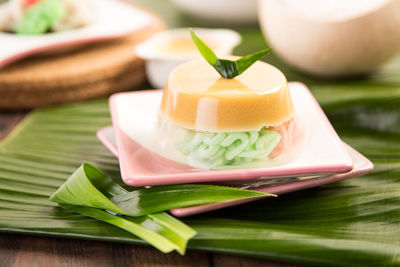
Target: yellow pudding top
[(182, 45), (198, 98)]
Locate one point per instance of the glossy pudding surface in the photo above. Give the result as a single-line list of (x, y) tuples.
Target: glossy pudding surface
[(196, 97)]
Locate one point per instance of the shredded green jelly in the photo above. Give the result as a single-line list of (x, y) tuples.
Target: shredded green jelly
[(229, 148), (39, 18)]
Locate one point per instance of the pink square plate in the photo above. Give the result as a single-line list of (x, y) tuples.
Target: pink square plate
[(114, 19), (134, 118), (361, 167)]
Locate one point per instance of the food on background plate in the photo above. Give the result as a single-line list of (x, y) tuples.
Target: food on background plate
[(239, 111), (41, 16)]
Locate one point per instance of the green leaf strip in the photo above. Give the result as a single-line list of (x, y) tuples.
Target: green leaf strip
[(160, 198), (92, 193), (228, 69), (204, 50), (245, 62)]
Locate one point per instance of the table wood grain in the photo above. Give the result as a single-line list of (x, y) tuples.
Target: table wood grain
[(19, 250)]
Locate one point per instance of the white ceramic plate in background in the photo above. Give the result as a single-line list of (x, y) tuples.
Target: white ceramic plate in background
[(114, 19)]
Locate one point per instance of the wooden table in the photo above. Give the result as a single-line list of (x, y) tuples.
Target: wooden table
[(32, 251)]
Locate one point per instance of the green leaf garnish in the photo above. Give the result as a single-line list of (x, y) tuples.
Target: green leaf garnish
[(92, 193), (205, 51), (228, 69)]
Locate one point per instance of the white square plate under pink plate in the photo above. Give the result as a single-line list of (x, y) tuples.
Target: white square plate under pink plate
[(134, 118), (114, 19), (361, 167)]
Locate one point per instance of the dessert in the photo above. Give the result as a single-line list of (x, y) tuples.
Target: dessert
[(215, 121), (42, 16)]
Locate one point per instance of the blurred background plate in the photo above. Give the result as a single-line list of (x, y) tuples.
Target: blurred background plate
[(91, 71), (112, 19)]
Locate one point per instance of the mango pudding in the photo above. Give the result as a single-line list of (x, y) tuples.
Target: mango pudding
[(227, 121), (197, 98), (226, 111)]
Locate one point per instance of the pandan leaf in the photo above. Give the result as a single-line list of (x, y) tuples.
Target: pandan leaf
[(227, 68), (205, 51), (146, 228), (245, 62), (160, 198), (88, 191), (92, 193)]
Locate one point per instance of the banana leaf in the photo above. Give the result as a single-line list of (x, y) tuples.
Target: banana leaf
[(354, 222)]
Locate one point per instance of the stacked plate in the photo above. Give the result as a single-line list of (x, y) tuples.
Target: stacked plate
[(322, 159)]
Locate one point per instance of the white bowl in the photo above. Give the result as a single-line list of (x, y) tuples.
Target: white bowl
[(160, 63), (221, 11), (333, 38)]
